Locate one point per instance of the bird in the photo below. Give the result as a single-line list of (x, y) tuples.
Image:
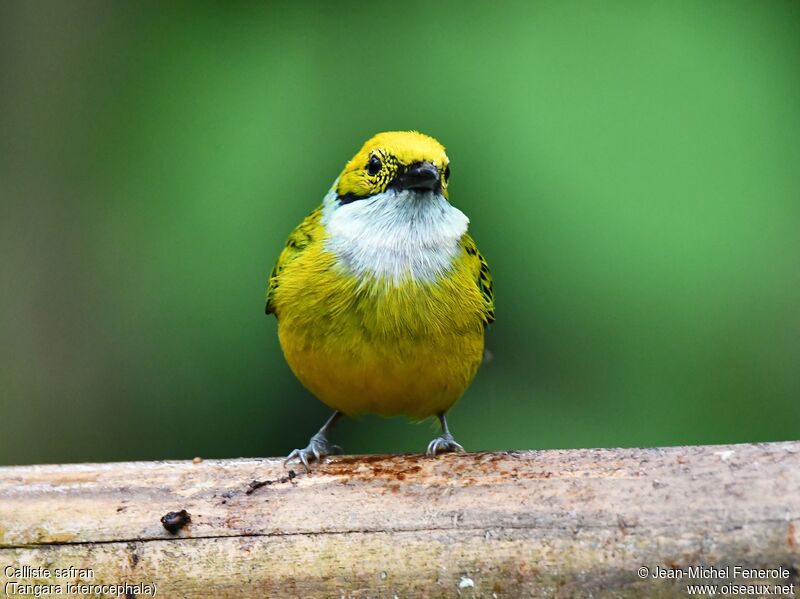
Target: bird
[(381, 296)]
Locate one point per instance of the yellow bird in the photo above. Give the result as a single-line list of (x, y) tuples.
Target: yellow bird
[(381, 296)]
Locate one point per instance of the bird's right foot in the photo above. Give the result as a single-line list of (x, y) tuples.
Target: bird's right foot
[(443, 444), (318, 447)]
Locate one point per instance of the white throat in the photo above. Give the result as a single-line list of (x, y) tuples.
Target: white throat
[(394, 235)]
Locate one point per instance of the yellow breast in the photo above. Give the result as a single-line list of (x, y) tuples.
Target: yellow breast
[(378, 346)]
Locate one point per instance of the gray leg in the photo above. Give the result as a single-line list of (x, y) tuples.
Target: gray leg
[(318, 446), (445, 442)]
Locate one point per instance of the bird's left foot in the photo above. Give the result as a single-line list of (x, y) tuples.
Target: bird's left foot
[(444, 444)]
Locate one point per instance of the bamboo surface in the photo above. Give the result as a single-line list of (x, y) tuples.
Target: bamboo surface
[(574, 523)]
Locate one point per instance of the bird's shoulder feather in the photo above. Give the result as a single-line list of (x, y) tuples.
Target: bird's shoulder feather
[(483, 277), (299, 239)]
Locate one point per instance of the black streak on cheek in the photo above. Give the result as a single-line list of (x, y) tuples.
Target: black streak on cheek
[(349, 198)]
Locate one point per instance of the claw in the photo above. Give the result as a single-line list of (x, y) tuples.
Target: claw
[(445, 443), (318, 448)]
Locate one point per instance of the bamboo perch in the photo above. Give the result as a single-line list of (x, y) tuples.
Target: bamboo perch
[(576, 523)]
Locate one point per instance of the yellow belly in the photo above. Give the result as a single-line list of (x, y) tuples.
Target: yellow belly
[(376, 347), (416, 380)]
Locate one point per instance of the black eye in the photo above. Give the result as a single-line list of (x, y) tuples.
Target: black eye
[(374, 166), (446, 173)]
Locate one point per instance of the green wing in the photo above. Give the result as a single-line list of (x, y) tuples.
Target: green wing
[(297, 242), (483, 278)]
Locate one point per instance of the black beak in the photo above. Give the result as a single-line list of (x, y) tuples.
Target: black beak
[(420, 176)]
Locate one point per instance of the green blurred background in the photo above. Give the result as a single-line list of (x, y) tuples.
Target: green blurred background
[(631, 171)]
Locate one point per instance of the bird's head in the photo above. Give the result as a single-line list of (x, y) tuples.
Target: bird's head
[(387, 215), (395, 160)]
